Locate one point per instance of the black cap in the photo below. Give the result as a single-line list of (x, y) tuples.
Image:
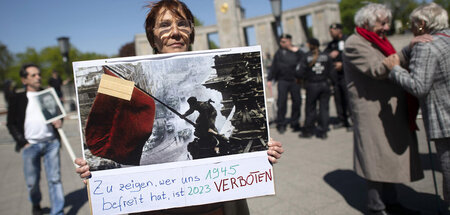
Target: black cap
[(287, 36), (336, 26), (314, 42)]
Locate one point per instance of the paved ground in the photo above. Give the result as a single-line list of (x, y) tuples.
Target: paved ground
[(313, 177)]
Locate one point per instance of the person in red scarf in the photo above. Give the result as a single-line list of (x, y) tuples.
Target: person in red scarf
[(385, 142), (170, 28)]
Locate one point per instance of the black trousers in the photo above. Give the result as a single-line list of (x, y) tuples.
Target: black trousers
[(317, 92), (341, 101), (285, 87), (443, 156), (381, 194)]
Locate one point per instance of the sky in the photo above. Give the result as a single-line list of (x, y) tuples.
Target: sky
[(100, 26)]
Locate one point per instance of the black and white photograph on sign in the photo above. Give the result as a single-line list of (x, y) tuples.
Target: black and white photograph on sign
[(50, 105), (182, 108)]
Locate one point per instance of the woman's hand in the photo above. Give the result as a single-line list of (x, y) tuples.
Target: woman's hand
[(275, 151), (391, 61), (425, 38), (83, 169)]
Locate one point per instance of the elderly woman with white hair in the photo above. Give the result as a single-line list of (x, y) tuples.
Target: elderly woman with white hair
[(385, 142), (429, 79)]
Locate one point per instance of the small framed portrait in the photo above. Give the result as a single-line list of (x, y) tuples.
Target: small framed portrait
[(50, 105)]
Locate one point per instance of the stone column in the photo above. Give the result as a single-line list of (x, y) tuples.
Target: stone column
[(293, 27), (265, 37), (141, 45), (322, 18), (228, 15), (319, 25), (201, 41)]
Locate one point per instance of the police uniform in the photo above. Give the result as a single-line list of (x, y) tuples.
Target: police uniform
[(317, 79), (340, 88), (283, 70)]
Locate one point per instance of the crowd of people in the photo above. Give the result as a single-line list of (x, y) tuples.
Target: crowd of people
[(380, 90), (321, 74), (375, 86)]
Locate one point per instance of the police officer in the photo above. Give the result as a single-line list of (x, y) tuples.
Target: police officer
[(334, 50), (316, 68), (283, 70)]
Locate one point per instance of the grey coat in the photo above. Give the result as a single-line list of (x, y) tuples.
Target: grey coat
[(385, 150), (429, 80)]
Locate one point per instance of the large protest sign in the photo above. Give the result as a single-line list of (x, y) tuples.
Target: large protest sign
[(194, 182), (174, 130)]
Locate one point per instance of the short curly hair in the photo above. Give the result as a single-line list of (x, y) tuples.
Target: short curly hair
[(369, 14), (434, 16)]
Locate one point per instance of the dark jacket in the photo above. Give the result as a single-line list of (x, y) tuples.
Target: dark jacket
[(56, 83), (16, 118), (337, 45), (284, 65), (320, 71)]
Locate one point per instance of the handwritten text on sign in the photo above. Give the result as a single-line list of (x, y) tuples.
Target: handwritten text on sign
[(181, 184)]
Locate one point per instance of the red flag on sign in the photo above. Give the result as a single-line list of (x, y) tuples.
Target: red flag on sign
[(117, 129)]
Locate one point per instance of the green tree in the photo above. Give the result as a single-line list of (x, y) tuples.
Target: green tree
[(309, 32), (29, 56), (127, 50), (348, 10), (76, 55), (48, 59), (51, 59), (197, 22), (6, 59), (400, 11), (444, 3), (212, 44)]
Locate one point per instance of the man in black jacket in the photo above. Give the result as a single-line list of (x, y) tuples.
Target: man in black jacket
[(283, 70), (334, 50), (38, 139)]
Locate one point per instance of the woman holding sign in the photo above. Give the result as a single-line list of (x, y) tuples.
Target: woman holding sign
[(170, 29)]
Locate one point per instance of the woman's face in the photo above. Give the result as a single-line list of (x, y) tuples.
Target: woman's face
[(381, 27), (171, 33)]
